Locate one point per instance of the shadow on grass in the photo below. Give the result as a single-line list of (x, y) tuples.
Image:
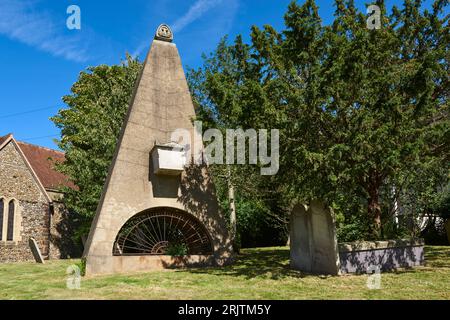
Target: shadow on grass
[(273, 263), (437, 257), (270, 263)]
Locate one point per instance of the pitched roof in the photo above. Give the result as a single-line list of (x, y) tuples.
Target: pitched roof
[(43, 160), (4, 138)]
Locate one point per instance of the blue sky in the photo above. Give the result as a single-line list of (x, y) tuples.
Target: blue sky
[(41, 58)]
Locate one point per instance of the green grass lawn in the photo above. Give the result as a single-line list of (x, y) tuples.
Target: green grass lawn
[(261, 273)]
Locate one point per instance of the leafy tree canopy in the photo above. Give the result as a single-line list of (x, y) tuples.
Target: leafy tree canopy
[(363, 114), (358, 109), (90, 127)]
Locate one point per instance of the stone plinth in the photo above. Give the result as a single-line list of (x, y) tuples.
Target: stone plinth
[(358, 257)]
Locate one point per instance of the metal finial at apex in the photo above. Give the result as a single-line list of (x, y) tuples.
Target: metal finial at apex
[(164, 33)]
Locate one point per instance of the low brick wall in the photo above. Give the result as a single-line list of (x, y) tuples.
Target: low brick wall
[(357, 257)]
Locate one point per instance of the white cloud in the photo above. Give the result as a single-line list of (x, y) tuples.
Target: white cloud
[(198, 9), (19, 21), (140, 49), (218, 22)]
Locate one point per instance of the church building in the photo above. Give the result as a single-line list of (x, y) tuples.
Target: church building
[(30, 202)]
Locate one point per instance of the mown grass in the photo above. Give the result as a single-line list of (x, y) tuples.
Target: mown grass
[(261, 273)]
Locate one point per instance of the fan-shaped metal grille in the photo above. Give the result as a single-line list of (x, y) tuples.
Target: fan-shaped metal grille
[(162, 231)]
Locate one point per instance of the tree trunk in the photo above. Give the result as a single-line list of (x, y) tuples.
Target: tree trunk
[(447, 228), (233, 212), (396, 206), (375, 211), (374, 208), (232, 208)]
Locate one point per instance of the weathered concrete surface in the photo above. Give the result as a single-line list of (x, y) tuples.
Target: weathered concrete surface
[(313, 240), (299, 239), (357, 257), (123, 264), (161, 104)]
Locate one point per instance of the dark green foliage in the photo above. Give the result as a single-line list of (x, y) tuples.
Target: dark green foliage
[(363, 118), (177, 249), (260, 221), (442, 205), (82, 266), (90, 126), (355, 228), (361, 112)]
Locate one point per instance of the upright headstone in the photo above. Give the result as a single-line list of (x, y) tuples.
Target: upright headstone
[(314, 247), (301, 256)]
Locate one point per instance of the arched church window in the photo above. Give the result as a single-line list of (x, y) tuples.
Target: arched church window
[(11, 213), (2, 206)]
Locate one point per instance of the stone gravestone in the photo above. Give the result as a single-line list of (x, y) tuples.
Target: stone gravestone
[(35, 250), (313, 245), (299, 239)]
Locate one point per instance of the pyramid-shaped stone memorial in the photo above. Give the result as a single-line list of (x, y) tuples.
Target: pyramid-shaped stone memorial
[(156, 211)]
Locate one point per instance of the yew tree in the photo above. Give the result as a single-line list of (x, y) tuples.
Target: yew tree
[(357, 107)]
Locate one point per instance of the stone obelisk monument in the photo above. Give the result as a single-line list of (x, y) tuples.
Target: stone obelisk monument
[(156, 211)]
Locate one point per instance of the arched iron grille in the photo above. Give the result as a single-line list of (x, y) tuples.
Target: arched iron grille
[(162, 231)]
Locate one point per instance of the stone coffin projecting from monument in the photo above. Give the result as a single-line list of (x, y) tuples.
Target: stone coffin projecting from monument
[(168, 159)]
